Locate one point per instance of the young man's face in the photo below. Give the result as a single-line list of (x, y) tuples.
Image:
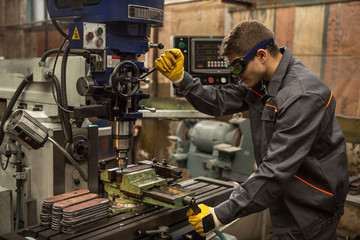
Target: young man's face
[(253, 73)]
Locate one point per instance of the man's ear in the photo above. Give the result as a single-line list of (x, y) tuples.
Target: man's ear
[(263, 55)]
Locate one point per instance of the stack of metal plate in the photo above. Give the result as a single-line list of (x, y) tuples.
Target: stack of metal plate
[(58, 207), (46, 208), (85, 215)]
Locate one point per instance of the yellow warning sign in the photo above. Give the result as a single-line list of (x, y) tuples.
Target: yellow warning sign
[(76, 35)]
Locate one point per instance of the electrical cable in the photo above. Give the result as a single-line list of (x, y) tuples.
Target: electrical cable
[(63, 99), (28, 79), (56, 85), (71, 159), (61, 109), (63, 76), (54, 22), (6, 165), (57, 56)]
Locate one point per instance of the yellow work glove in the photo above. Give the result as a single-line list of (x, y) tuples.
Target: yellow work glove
[(171, 65), (205, 222)]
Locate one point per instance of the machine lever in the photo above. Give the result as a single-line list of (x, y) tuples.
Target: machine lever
[(148, 73), (146, 80), (157, 45), (149, 109)]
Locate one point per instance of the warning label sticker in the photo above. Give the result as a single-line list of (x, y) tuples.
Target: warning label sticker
[(76, 35), (112, 61)]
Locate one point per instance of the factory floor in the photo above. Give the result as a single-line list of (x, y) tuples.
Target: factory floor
[(253, 227)]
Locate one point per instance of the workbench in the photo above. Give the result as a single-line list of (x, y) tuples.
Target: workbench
[(145, 224)]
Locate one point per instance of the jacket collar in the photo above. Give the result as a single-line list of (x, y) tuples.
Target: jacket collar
[(281, 71)]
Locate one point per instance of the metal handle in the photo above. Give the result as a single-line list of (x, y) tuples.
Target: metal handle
[(149, 109), (156, 45), (148, 73), (192, 204)]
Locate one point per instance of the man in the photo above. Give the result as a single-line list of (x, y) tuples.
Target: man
[(302, 174)]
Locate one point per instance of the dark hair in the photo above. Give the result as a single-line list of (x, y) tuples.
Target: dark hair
[(245, 36)]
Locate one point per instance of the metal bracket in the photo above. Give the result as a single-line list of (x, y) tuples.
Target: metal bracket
[(20, 175)]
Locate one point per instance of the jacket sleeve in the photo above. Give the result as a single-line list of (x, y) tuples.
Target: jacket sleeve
[(295, 130), (210, 100)]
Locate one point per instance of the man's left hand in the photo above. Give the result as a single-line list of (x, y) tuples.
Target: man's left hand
[(205, 222)]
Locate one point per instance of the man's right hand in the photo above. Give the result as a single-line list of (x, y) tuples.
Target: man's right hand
[(171, 65)]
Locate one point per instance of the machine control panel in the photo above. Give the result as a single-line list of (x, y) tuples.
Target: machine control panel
[(94, 36), (205, 57), (202, 60)]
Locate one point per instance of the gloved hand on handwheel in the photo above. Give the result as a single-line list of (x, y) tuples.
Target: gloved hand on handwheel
[(171, 65), (205, 222)]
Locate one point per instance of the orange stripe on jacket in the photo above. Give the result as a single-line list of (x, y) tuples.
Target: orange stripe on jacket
[(314, 186), (271, 106), (255, 92), (329, 100)]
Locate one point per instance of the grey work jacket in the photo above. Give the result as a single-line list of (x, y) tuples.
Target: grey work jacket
[(300, 150)]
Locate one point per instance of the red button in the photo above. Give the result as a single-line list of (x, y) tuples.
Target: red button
[(89, 35), (211, 80)]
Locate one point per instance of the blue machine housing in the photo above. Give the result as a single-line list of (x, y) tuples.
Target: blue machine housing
[(128, 21), (128, 24), (103, 11)]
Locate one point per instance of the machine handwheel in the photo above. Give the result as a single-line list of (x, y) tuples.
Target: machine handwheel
[(125, 79)]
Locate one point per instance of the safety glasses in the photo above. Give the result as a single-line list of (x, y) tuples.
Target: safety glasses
[(239, 65)]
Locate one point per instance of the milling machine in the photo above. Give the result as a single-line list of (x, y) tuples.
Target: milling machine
[(108, 36)]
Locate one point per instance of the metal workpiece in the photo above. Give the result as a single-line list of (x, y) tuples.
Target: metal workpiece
[(57, 209), (46, 208), (142, 224), (71, 212), (84, 215)]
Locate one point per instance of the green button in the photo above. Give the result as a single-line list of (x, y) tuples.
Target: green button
[(100, 31), (181, 45)]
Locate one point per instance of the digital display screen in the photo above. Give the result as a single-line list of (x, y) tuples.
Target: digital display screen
[(207, 54)]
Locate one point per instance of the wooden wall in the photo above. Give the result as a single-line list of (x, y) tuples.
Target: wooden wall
[(18, 39), (323, 36)]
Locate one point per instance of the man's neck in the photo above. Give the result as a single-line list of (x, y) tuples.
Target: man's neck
[(272, 66)]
